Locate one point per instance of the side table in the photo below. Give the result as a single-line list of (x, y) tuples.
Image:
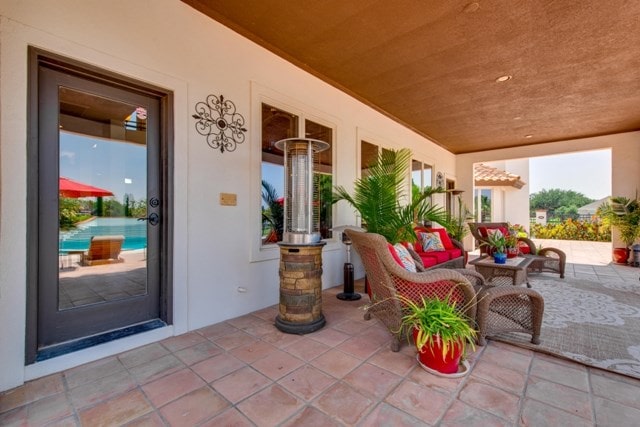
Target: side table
[(513, 272)]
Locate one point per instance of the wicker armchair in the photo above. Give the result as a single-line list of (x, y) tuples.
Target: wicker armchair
[(545, 259), (516, 309)]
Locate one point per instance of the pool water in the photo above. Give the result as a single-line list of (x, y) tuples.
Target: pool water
[(134, 232)]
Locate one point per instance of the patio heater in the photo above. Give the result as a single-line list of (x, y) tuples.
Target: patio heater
[(300, 310), (349, 293)]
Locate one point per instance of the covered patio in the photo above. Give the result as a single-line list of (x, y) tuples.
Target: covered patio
[(456, 82), (244, 371)]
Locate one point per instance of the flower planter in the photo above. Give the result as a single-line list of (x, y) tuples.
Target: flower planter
[(500, 258), (512, 252), (431, 357), (620, 255)]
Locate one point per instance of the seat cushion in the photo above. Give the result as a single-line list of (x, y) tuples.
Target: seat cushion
[(439, 256), (428, 261), (454, 253)]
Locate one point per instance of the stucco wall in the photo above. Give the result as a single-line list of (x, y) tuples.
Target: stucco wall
[(216, 250)]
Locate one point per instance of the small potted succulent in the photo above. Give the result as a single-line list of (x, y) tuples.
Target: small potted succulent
[(497, 244), (440, 331)]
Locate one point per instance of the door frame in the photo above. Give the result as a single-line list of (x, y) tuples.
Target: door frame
[(37, 58)]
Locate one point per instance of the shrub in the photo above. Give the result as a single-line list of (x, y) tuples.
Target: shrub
[(572, 229)]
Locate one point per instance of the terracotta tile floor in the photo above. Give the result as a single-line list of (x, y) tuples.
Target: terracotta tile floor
[(245, 372)]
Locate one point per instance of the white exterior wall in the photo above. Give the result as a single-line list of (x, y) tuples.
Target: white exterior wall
[(216, 248), (625, 161), (512, 204)]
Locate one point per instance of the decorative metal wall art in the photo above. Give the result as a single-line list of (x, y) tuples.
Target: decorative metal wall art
[(219, 122), (440, 180)]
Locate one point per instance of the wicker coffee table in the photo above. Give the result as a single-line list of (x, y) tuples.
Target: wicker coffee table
[(513, 272)]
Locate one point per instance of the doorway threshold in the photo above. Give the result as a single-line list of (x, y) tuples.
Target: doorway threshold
[(83, 343)]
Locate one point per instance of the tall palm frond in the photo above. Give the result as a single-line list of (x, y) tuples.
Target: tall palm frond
[(376, 198), (274, 213)]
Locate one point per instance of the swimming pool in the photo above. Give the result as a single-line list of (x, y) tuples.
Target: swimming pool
[(134, 232)]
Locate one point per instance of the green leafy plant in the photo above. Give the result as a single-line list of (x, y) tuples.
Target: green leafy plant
[(456, 225), (437, 321), (376, 198), (624, 214), (273, 214), (570, 229), (497, 242)]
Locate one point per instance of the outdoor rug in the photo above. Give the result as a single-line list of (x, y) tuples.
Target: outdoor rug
[(594, 323)]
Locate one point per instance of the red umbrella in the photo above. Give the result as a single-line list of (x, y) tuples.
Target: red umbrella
[(70, 188)]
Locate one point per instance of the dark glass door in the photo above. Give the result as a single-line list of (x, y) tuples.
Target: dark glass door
[(99, 210)]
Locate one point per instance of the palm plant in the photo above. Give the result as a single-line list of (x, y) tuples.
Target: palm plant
[(376, 199), (273, 214), (457, 224), (624, 214)]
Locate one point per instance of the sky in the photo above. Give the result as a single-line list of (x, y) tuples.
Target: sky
[(586, 172), (112, 165)]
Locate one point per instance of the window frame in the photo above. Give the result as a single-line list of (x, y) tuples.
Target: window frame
[(262, 95)]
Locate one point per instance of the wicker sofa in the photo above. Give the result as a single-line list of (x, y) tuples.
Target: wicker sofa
[(453, 255)]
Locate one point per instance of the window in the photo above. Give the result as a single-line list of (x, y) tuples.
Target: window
[(482, 205), (420, 177), (279, 124), (368, 155)]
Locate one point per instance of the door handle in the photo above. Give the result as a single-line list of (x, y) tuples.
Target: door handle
[(154, 219)]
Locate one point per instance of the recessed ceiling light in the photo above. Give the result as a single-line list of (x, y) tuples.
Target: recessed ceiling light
[(528, 136), (471, 7), (504, 78)]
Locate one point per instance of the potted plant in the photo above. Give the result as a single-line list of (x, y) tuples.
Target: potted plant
[(624, 214), (497, 244), (440, 332), (511, 244)]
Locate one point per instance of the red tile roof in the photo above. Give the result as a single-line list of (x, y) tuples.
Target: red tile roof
[(486, 176)]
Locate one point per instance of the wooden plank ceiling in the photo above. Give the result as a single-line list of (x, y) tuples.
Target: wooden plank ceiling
[(573, 66)]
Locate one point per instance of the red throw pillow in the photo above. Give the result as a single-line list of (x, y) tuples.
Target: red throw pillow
[(483, 231), (524, 248)]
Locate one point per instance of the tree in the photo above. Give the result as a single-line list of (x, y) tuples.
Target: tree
[(68, 211), (555, 199)]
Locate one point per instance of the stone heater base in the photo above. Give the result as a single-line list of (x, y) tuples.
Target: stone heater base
[(300, 288)]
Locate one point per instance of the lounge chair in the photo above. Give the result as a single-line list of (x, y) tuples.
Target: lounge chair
[(545, 259), (103, 250), (494, 309)]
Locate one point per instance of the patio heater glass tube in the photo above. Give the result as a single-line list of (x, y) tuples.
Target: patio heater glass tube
[(301, 204)]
